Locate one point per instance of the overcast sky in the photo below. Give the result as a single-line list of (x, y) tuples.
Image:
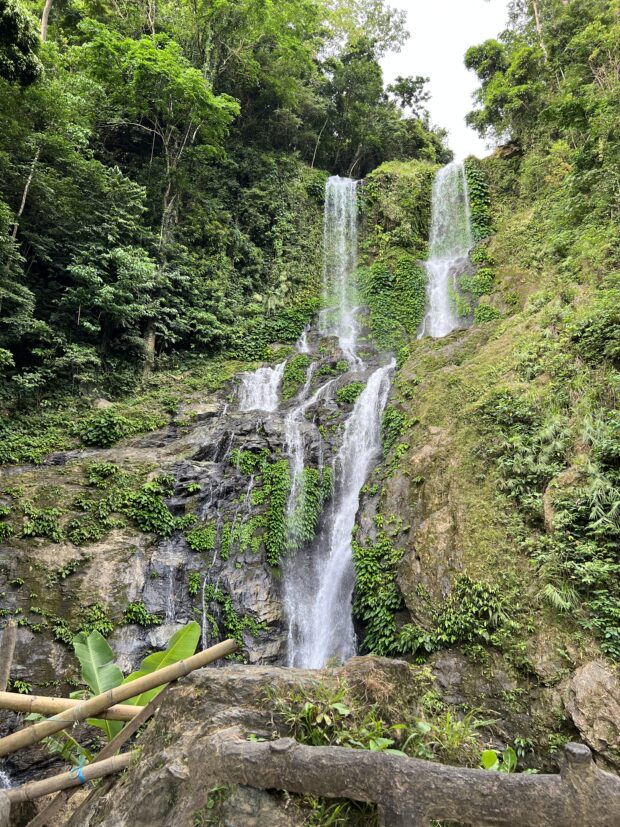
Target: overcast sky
[(441, 33)]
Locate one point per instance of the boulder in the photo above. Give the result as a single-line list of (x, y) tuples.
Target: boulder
[(592, 699), (100, 404)]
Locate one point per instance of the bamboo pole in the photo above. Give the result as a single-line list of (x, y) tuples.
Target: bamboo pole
[(45, 816), (51, 706), (95, 706), (7, 650), (73, 778)]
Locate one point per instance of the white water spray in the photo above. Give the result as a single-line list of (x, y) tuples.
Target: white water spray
[(450, 241), (319, 604), (340, 263), (260, 390)]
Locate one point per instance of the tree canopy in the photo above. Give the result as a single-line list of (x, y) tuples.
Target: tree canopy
[(158, 163)]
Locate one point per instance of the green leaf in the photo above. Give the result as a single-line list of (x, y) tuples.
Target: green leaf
[(181, 645), (489, 760), (509, 760), (99, 672), (341, 708)]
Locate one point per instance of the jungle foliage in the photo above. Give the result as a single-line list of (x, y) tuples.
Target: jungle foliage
[(162, 172)]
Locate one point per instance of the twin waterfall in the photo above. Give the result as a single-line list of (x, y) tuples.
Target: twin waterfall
[(450, 242), (338, 318), (319, 578)]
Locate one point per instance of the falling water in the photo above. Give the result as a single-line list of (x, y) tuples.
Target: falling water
[(450, 241), (302, 343), (5, 780), (318, 582), (170, 601), (340, 262), (318, 594), (260, 390)]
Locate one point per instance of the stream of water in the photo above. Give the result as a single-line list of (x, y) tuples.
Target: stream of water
[(319, 582), (340, 262), (449, 244), (260, 390), (318, 590)]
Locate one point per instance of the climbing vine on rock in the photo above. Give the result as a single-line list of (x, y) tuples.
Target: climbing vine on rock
[(479, 199)]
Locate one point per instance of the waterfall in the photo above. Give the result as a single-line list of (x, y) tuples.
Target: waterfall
[(318, 600), (170, 602), (340, 262), (319, 581), (5, 780), (260, 390), (450, 241), (302, 345)]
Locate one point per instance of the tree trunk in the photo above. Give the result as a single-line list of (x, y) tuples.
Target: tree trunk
[(22, 206), (414, 792), (539, 30), (44, 18), (149, 347)]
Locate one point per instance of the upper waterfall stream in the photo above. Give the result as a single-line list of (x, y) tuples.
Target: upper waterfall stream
[(449, 244)]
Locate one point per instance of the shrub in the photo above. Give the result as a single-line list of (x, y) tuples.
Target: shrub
[(480, 284), (294, 375), (486, 313), (393, 425), (349, 394), (104, 428), (203, 538), (136, 613)]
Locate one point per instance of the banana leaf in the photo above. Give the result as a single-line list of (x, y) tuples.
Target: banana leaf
[(99, 672), (181, 645)]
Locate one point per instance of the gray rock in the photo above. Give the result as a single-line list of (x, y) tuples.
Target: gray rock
[(101, 404), (592, 699)]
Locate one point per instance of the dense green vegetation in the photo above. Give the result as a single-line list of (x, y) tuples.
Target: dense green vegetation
[(162, 177), (397, 204), (527, 401)]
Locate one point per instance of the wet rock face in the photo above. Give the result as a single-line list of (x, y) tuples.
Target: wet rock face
[(226, 583), (592, 699)]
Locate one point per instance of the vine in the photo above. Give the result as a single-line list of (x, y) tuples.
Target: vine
[(316, 489), (479, 199)]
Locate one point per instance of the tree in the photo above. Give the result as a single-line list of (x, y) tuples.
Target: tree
[(410, 93), (154, 89), (19, 44)]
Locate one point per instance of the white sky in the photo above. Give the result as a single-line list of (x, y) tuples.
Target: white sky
[(441, 33)]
